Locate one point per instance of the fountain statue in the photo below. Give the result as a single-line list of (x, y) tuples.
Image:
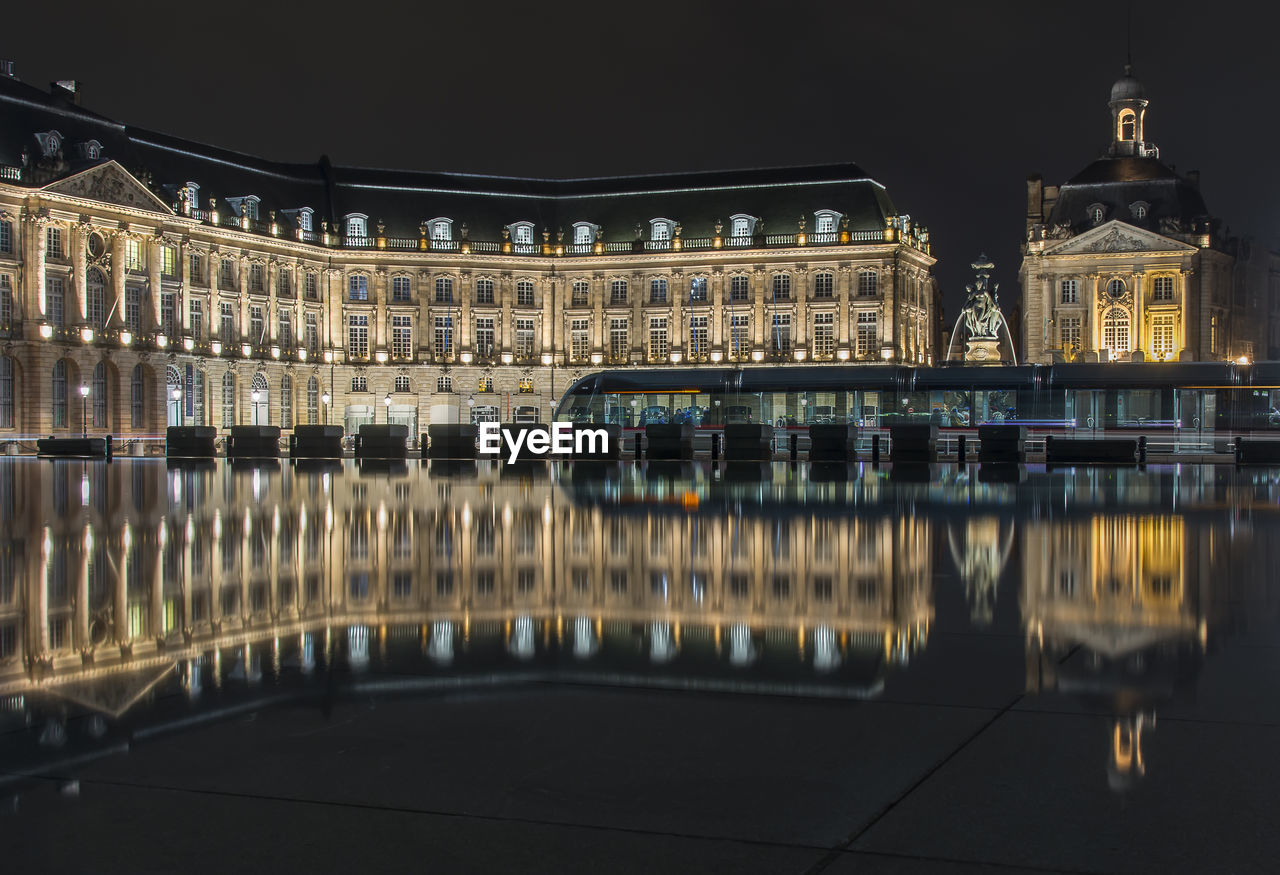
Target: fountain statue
[(982, 319)]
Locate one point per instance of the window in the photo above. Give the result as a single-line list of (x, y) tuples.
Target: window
[(358, 287), (659, 230), (6, 392), (196, 318), (133, 308), (95, 302), (618, 292), (581, 293), (402, 337), (780, 339), (401, 383), (53, 242), (525, 386), (824, 334), (196, 263), (169, 261), (249, 208), (359, 384), (137, 398), (583, 233), (133, 255), (1070, 291), (444, 337), (1128, 125), (824, 285), (524, 293), (357, 225), (781, 287), (657, 291), (698, 336), (358, 337), (739, 289), (485, 384), (579, 339), (400, 290), (698, 290), (227, 274), (739, 336), (1115, 331), (825, 223), (257, 278), (442, 229), (54, 302), (484, 291), (6, 237), (312, 286), (444, 384), (522, 233), (256, 325), (98, 394), (1115, 288), (286, 401), (484, 337), (618, 343), (868, 283), (868, 333), (306, 219), (313, 401), (444, 290), (59, 394), (1069, 332), (228, 399), (524, 338), (313, 334), (284, 329), (6, 300), (1162, 337), (658, 339), (1097, 213), (1162, 288), (740, 228), (1139, 210)]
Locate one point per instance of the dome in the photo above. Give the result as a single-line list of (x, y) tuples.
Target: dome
[(1127, 88)]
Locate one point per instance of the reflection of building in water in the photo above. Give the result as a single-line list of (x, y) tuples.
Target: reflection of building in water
[(1116, 609), (980, 551), (235, 573)]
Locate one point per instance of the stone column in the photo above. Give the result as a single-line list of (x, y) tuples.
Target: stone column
[(149, 316), (243, 299), (802, 307), (716, 329), (466, 329), (78, 239), (119, 274), (845, 274), (677, 291)]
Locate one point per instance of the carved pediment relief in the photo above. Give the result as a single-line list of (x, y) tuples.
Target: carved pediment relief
[(110, 183), (1116, 236)]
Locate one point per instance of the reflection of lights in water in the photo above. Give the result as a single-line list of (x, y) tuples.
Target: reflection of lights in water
[(307, 653), (176, 481), (440, 650), (324, 482), (358, 647), (1125, 766), (662, 648), (521, 643), (257, 485), (84, 489), (191, 681), (741, 651), (698, 587), (246, 667), (826, 654), (584, 639)]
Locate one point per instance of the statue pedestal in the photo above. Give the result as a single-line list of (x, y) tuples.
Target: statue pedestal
[(982, 351)]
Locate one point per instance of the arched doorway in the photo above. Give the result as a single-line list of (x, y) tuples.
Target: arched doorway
[(172, 387), (1115, 332), (260, 399)]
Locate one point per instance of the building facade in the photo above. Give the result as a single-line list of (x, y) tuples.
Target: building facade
[(146, 280), (1125, 263)]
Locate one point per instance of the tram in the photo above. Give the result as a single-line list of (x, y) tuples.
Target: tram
[(1203, 397)]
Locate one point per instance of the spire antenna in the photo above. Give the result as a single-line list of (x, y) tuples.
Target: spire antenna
[(1128, 39)]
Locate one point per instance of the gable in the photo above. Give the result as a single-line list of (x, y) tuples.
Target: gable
[(1116, 236), (110, 183)]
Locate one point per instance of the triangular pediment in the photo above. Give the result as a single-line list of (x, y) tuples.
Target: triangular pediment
[(110, 183), (1116, 236)]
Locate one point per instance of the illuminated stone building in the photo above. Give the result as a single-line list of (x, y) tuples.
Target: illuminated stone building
[(1124, 262), (184, 284)]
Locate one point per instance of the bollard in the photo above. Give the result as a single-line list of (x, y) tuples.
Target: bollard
[(639, 448), (960, 450), (795, 447), (1142, 449), (715, 446), (875, 448), (108, 448)]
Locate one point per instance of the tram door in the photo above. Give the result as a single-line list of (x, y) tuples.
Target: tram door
[(866, 406), (1085, 408)]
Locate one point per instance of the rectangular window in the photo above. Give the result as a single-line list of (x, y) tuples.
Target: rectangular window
[(196, 266), (1070, 291), (133, 255), (739, 336), (228, 334), (284, 283), (484, 337), (196, 318), (168, 313), (257, 326), (1162, 289), (698, 336), (400, 290), (444, 290), (484, 291), (658, 339), (444, 337), (618, 343), (95, 304), (313, 334), (133, 308), (1162, 344), (284, 329), (53, 301), (658, 291), (581, 293), (169, 262), (868, 283), (227, 274), (618, 292), (824, 285), (312, 286), (698, 290), (579, 339), (53, 242), (6, 237), (524, 294), (868, 334), (6, 300), (359, 384), (402, 337), (781, 287), (1069, 332), (740, 289), (780, 339), (358, 287), (358, 337), (524, 338), (824, 334)]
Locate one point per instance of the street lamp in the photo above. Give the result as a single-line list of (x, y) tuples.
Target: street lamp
[(84, 403), (176, 395), (387, 401), (324, 399), (256, 396)]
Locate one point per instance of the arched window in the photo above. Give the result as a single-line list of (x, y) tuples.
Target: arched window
[(357, 225), (313, 401), (174, 406), (583, 233), (1128, 125), (228, 399), (1115, 288), (741, 226), (95, 298), (6, 392), (1115, 331), (286, 401), (660, 230), (60, 394), (99, 392), (137, 398), (442, 229), (522, 233)]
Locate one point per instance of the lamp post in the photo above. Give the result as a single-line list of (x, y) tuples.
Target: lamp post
[(324, 399), (256, 396), (387, 401), (471, 404), (84, 404), (176, 395)]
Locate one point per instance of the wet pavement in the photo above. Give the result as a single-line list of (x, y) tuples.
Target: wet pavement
[(639, 668)]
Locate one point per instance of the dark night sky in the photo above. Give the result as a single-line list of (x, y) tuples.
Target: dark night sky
[(950, 108)]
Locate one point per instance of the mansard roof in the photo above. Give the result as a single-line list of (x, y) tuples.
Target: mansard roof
[(1121, 183), (401, 199)]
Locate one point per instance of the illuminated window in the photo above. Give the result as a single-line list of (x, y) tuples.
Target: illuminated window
[(1162, 288), (357, 225), (484, 337), (1069, 332), (581, 293), (868, 333), (583, 233), (1128, 125), (133, 255), (1162, 337), (526, 386), (660, 230), (358, 337), (698, 290), (618, 340), (741, 227), (358, 287), (402, 337), (824, 334), (579, 339), (1115, 331), (781, 287), (444, 337), (524, 338), (485, 384), (658, 339), (739, 336), (698, 336)]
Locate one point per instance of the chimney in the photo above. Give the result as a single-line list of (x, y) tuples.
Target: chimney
[(6, 69), (68, 89), (1193, 179)]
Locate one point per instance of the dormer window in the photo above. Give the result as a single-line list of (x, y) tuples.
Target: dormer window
[(249, 207), (1097, 212), (305, 218), (521, 233), (1139, 209), (741, 226), (442, 229), (50, 143), (193, 195), (90, 150), (357, 225), (660, 230), (825, 221), (584, 233)]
